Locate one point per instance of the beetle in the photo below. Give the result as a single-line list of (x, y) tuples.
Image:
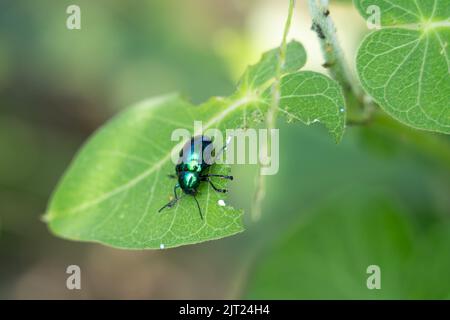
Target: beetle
[(196, 156)]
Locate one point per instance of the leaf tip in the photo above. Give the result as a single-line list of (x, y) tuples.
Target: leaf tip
[(46, 217)]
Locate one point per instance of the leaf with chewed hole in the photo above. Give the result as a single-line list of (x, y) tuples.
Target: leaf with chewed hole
[(266, 69), (311, 97)]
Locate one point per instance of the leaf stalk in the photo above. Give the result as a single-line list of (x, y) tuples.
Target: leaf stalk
[(271, 117)]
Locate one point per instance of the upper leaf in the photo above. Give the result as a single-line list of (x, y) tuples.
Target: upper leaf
[(401, 12), (405, 66), (266, 69)]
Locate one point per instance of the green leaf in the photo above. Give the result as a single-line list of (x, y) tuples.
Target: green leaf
[(311, 97), (115, 186), (405, 66), (113, 190), (266, 69), (326, 255)]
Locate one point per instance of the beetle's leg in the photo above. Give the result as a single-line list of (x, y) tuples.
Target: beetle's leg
[(171, 203), (175, 191), (214, 187), (168, 205), (198, 206), (172, 176), (217, 175)]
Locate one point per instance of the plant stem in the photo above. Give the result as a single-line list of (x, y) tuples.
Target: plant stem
[(335, 61), (271, 117)]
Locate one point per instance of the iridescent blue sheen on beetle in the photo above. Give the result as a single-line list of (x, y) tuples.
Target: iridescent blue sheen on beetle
[(196, 156)]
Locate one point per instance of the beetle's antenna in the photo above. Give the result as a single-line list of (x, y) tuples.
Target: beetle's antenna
[(225, 146), (223, 149), (198, 205)]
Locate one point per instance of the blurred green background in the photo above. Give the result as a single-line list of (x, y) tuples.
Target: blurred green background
[(381, 197)]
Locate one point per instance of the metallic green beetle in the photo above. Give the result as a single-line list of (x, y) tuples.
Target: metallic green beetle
[(196, 156)]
